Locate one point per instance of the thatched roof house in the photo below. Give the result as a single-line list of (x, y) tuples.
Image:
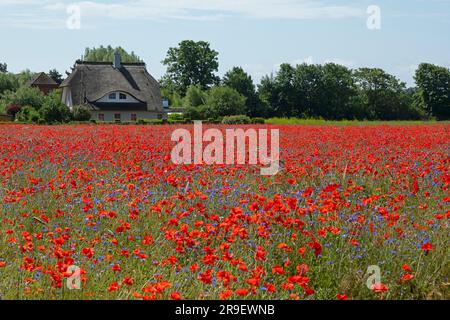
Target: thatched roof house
[(43, 82), (114, 91)]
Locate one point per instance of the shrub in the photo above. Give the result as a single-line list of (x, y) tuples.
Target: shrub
[(194, 97), (13, 109), (225, 101), (175, 117), (258, 121), (25, 96), (240, 119), (81, 113), (27, 114), (154, 121)]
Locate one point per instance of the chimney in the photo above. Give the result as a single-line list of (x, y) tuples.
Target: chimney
[(117, 63)]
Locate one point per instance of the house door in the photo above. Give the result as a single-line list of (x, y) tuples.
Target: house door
[(117, 117)]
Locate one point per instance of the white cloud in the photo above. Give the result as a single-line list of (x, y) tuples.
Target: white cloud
[(188, 9)]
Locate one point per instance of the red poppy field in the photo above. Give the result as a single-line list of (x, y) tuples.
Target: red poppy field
[(108, 200)]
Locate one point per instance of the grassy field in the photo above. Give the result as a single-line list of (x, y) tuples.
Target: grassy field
[(107, 199), (298, 121)]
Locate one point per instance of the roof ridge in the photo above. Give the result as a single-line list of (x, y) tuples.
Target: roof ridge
[(107, 63)]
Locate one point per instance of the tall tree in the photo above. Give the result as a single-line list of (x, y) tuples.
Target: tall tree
[(268, 95), (242, 82), (434, 89), (337, 87), (225, 101), (191, 63), (106, 54), (56, 76), (8, 82), (382, 94), (3, 67)]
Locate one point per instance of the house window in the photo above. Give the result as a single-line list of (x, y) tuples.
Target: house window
[(122, 96), (112, 96), (117, 117), (133, 117), (101, 117)]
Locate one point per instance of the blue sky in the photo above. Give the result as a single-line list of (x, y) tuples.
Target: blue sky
[(255, 34)]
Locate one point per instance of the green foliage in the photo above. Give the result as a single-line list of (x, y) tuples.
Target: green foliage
[(56, 76), (174, 98), (382, 94), (191, 63), (106, 54), (258, 121), (53, 110), (194, 97), (239, 119), (81, 113), (434, 90), (202, 112), (8, 82), (28, 114), (225, 101), (24, 96), (239, 80), (175, 117), (24, 77), (334, 92), (3, 68)]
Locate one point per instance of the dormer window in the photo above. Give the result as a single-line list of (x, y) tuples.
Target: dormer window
[(118, 97)]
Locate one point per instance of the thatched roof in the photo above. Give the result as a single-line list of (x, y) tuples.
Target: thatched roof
[(41, 78), (90, 81)]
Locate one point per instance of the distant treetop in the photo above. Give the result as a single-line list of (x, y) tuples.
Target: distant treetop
[(106, 54)]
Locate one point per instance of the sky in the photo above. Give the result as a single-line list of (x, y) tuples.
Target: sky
[(258, 35)]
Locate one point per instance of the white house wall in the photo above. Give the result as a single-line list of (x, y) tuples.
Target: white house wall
[(67, 97), (125, 115)]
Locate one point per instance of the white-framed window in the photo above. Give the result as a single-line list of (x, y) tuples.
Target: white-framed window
[(112, 96), (122, 96), (133, 117)]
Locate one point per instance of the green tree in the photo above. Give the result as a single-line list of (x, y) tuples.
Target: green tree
[(27, 114), (24, 77), (56, 76), (268, 95), (24, 96), (191, 63), (3, 67), (8, 82), (53, 110), (106, 54), (242, 82), (335, 89), (382, 94), (81, 113), (195, 97), (225, 101), (434, 90)]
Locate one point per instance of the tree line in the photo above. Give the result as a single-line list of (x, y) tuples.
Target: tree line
[(329, 91)]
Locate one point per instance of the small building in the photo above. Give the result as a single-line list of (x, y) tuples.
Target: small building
[(43, 82), (114, 91)]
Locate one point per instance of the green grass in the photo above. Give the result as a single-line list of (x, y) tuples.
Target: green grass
[(316, 122)]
